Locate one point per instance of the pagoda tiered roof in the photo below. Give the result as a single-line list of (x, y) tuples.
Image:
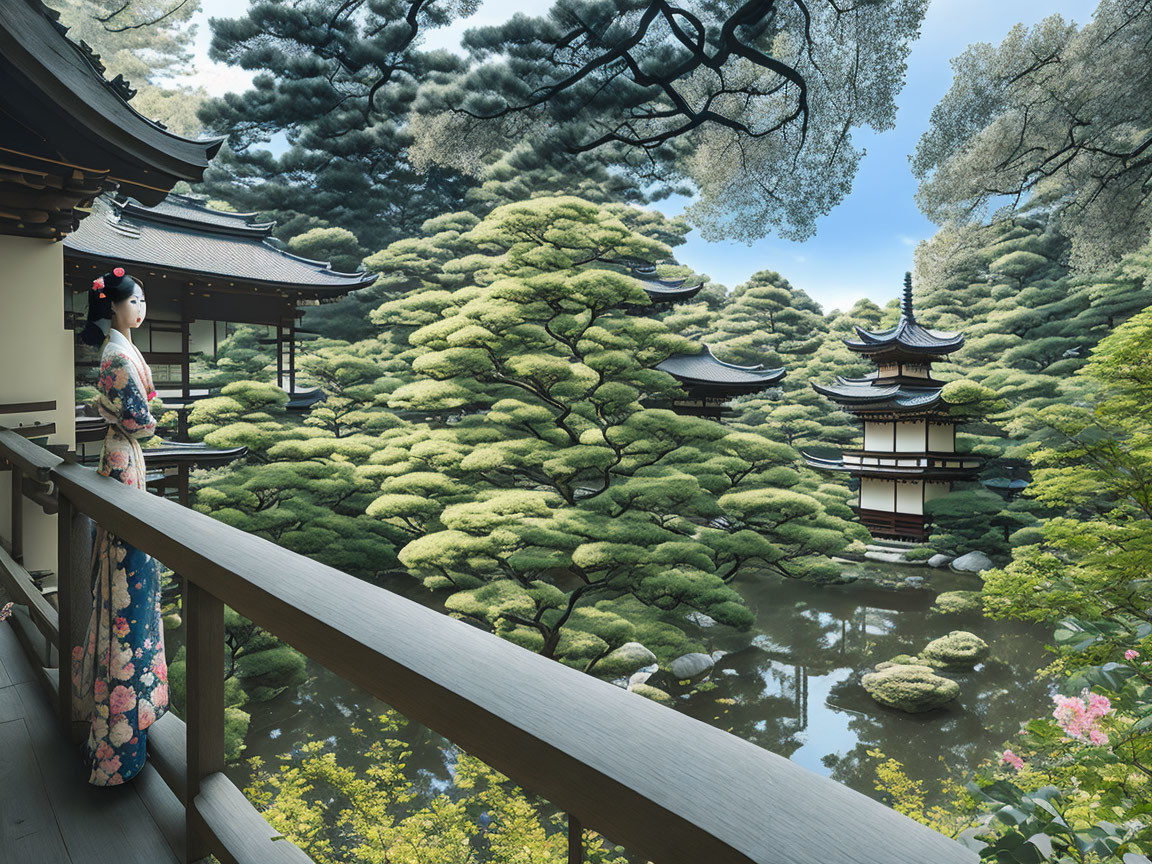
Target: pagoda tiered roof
[(70, 134), (183, 234), (705, 370), (862, 393), (907, 336)]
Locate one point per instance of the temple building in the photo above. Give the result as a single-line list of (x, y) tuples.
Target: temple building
[(909, 453), (67, 135), (710, 383), (202, 269)]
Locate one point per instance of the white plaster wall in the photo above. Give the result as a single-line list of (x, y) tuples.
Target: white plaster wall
[(940, 437), (910, 436), (909, 497), (200, 336), (936, 490), (876, 494), (877, 436), (37, 356)]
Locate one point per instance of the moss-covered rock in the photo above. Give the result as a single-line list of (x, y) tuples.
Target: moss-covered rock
[(921, 553), (903, 660), (958, 650), (956, 602), (653, 693), (910, 688), (625, 660)]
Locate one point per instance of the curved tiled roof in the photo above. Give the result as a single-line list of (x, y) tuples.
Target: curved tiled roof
[(667, 290), (849, 391), (908, 333), (196, 213), (705, 368), (134, 234)]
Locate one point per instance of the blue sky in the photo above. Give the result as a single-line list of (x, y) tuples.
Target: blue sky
[(861, 248)]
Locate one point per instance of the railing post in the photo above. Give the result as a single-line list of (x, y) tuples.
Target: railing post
[(575, 840), (73, 603), (204, 623), (17, 515), (65, 592)]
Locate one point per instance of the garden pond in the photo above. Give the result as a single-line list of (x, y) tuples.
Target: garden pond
[(791, 686)]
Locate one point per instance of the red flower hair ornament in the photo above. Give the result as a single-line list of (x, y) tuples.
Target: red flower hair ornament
[(118, 271), (98, 284)]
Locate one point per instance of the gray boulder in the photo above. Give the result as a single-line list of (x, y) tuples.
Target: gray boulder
[(640, 677), (690, 666), (887, 556), (973, 562), (625, 660), (939, 560), (701, 620)]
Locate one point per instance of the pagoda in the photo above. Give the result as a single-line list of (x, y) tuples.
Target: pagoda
[(909, 452), (711, 383), (708, 382)]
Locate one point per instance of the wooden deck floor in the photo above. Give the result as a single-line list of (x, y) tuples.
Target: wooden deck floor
[(49, 813)]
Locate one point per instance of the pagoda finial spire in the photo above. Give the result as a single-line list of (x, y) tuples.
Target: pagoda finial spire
[(906, 306)]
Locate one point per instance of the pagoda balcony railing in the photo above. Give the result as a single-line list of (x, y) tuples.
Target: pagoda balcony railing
[(910, 526), (927, 459), (667, 787)]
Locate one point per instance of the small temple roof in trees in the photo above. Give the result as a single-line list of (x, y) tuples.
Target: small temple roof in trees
[(704, 369), (184, 234), (70, 134), (908, 335), (862, 394), (662, 290)]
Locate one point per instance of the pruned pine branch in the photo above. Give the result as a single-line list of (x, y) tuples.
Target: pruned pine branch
[(590, 51)]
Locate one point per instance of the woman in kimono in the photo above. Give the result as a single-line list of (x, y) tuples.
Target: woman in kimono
[(120, 674)]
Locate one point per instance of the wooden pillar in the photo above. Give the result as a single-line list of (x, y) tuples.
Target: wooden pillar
[(17, 515), (575, 840), (185, 348), (292, 357), (204, 620), (279, 353)]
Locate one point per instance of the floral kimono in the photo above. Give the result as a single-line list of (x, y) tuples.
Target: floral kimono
[(120, 675)]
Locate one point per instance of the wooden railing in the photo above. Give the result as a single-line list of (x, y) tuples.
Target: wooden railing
[(667, 787)]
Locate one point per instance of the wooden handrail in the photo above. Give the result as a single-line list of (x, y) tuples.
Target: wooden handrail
[(32, 459), (666, 786)]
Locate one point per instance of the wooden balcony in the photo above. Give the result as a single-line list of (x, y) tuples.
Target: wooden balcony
[(671, 789)]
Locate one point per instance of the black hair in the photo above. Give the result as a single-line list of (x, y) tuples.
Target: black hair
[(110, 288)]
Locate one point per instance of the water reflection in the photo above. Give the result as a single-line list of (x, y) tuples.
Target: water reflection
[(796, 689), (792, 686)]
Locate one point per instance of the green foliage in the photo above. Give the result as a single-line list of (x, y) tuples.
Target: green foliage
[(338, 246), (556, 496), (1040, 119), (236, 720), (334, 812)]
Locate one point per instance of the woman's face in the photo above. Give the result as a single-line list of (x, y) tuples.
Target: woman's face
[(130, 313)]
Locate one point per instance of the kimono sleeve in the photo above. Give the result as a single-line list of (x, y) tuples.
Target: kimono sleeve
[(123, 398)]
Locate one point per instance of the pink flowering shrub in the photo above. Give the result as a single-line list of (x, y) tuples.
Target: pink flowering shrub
[(1131, 654), (1080, 716), (1010, 758)]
